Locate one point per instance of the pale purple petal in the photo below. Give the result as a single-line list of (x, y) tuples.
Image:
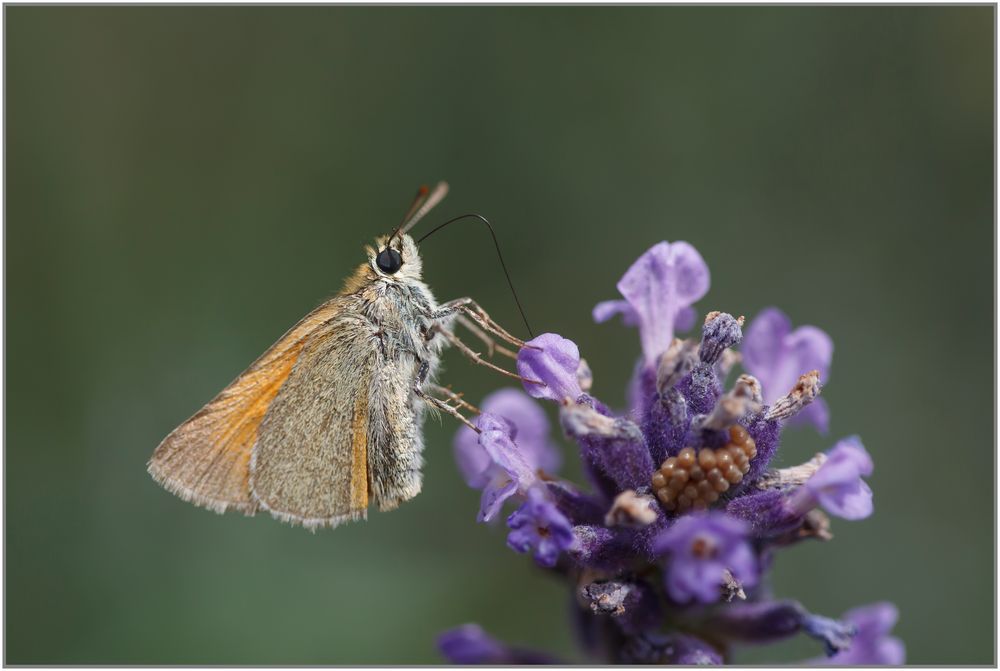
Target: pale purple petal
[(851, 501), (469, 644), (776, 355), (509, 472), (812, 348), (704, 579), (532, 428), (837, 485), (494, 494), (764, 341), (471, 458), (540, 528), (553, 360), (605, 310), (873, 643), (700, 548), (531, 431), (686, 318), (660, 287), (816, 414)]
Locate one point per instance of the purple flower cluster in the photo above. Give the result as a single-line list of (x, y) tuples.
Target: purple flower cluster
[(666, 552)]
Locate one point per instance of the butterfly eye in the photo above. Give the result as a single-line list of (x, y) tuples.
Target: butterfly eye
[(389, 261)]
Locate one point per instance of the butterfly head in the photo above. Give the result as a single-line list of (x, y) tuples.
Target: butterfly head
[(395, 257)]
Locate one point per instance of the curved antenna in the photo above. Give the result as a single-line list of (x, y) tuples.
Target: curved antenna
[(423, 202), (496, 244)]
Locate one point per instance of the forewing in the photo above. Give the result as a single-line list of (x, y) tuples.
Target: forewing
[(206, 460), (310, 463)]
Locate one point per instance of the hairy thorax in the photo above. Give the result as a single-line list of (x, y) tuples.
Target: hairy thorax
[(400, 317)]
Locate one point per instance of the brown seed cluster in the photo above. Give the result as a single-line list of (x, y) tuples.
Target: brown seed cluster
[(696, 479)]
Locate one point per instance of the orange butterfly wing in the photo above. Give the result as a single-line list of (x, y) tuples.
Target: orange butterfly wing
[(206, 460)]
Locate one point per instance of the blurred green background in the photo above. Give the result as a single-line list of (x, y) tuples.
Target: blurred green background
[(184, 183)]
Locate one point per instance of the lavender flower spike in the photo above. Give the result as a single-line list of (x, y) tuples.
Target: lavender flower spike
[(531, 431), (872, 644), (837, 485), (776, 355), (659, 289), (666, 554), (702, 548), (555, 361), (508, 472), (538, 527)]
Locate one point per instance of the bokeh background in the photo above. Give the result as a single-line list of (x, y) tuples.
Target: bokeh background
[(184, 183)]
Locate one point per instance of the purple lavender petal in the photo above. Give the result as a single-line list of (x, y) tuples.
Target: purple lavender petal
[(812, 348), (531, 430), (686, 319), (764, 343), (666, 280), (539, 528), (837, 485), (509, 472), (469, 644), (532, 426), (641, 391), (700, 548), (776, 355), (494, 494), (872, 644), (471, 458), (553, 360), (816, 414), (605, 310)]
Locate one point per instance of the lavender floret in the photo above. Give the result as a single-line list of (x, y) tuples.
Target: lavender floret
[(508, 471), (555, 361), (705, 553), (537, 527), (872, 643), (837, 485), (659, 290), (776, 355), (469, 644)]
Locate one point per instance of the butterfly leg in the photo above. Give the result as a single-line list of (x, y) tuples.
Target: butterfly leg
[(437, 403), (472, 309), (490, 343), (452, 397), (475, 357)]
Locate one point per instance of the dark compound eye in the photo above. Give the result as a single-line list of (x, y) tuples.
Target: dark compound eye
[(389, 261)]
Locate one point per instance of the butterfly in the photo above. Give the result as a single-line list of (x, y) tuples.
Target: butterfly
[(330, 417)]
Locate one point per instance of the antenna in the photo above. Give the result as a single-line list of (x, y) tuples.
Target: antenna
[(423, 202), (495, 244)]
